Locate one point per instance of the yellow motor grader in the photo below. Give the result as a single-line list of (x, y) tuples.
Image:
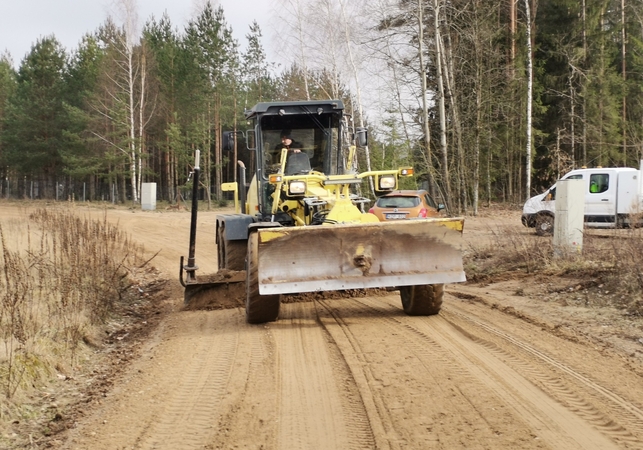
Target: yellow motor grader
[(301, 225)]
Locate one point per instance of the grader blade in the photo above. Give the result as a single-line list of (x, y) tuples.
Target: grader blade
[(355, 256)]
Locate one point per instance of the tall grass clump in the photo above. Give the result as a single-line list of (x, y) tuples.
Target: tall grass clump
[(611, 259), (55, 289), (507, 251)]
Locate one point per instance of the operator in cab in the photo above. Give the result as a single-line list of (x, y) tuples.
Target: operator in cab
[(297, 162), (288, 142)]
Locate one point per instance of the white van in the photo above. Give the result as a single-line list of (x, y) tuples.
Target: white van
[(612, 196)]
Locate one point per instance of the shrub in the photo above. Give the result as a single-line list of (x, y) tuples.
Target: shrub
[(63, 282), (609, 258)]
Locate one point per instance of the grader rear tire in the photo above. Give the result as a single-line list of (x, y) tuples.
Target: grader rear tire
[(423, 300), (259, 308), (231, 254)]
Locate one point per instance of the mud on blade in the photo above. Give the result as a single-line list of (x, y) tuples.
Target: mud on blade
[(354, 256)]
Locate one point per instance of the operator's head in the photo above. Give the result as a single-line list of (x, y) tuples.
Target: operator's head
[(286, 137)]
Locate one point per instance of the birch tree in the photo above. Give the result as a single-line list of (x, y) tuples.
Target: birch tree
[(441, 102), (291, 36), (528, 112), (127, 10), (424, 92)]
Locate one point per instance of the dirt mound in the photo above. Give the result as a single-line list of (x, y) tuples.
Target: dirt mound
[(225, 289)]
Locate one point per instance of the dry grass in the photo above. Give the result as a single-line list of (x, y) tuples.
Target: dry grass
[(54, 290), (610, 261)]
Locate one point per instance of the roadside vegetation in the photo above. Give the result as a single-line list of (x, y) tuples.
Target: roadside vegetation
[(60, 278), (607, 271)]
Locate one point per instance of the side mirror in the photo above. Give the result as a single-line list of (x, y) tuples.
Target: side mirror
[(361, 137), (251, 139), (441, 207), (228, 141)]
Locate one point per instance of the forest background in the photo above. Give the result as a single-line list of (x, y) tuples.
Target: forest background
[(489, 100)]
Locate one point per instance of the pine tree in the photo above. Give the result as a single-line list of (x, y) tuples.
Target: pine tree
[(36, 118), (8, 86)]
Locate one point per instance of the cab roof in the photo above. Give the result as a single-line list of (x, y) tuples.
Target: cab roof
[(298, 107)]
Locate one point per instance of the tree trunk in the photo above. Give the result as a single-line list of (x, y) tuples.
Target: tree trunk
[(425, 107), (530, 82), (624, 75), (447, 59), (358, 88), (441, 106), (217, 149), (141, 120)]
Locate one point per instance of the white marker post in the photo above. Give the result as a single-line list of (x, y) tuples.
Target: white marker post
[(570, 213)]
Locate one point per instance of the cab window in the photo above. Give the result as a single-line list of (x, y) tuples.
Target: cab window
[(598, 182)]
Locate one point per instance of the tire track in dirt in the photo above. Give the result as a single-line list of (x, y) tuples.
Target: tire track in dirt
[(174, 396), (563, 389), (348, 347), (415, 394), (318, 409), (555, 423), (356, 418), (249, 410), (580, 435), (193, 407), (586, 425)]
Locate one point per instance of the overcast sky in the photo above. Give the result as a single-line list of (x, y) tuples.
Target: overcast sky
[(23, 22)]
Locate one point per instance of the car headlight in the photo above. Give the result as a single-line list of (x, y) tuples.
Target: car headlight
[(387, 182), (297, 188)]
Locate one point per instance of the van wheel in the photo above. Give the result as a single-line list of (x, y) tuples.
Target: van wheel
[(259, 308), (422, 300), (544, 224)]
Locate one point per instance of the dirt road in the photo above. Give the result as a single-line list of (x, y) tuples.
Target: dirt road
[(487, 373)]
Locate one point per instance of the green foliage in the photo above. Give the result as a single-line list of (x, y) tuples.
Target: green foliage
[(69, 117), (36, 118), (258, 83), (8, 86)]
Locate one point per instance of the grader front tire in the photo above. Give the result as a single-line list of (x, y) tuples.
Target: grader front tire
[(423, 300), (259, 308)]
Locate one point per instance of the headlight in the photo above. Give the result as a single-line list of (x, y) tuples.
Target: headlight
[(387, 182), (297, 188)]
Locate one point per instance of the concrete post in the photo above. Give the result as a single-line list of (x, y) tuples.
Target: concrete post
[(148, 196), (570, 212)]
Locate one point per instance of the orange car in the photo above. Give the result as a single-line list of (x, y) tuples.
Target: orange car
[(407, 204)]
